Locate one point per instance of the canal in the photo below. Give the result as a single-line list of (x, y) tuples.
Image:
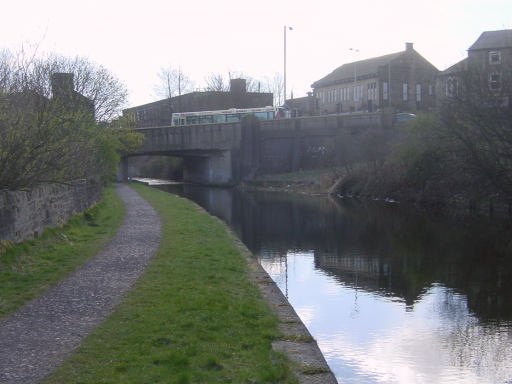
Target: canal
[(391, 294)]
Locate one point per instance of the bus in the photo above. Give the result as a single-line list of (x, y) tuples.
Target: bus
[(225, 116)]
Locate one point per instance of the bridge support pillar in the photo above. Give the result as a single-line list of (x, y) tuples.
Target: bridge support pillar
[(122, 173), (214, 169)]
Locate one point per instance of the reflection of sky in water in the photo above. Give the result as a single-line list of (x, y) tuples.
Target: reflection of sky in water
[(376, 339)]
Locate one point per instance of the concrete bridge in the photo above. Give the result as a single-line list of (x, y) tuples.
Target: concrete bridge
[(225, 154)]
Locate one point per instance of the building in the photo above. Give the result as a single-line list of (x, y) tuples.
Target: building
[(158, 113), (302, 106), (488, 66), (64, 94), (404, 81), (19, 108)]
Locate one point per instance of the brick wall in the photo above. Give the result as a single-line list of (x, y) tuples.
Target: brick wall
[(25, 214)]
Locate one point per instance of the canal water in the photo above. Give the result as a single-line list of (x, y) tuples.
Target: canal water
[(392, 295)]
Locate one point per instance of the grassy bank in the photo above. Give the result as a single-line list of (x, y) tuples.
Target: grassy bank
[(312, 181), (193, 317), (29, 268)]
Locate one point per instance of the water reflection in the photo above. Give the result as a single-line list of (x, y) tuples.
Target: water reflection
[(390, 295)]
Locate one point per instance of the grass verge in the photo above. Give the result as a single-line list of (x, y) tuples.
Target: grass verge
[(313, 181), (29, 268), (193, 317)]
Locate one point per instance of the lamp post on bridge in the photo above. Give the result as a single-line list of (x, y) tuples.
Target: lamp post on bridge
[(355, 78), (284, 73)]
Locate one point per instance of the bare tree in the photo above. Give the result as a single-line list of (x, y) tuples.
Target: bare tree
[(173, 82), (221, 83), (275, 85), (47, 137), (478, 117), (91, 80), (216, 82)]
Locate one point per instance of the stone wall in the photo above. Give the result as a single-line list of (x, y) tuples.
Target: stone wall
[(25, 214)]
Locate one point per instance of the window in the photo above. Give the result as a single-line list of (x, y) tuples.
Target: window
[(385, 90), (208, 119), (261, 115), (451, 87), (494, 81), (494, 57), (219, 118), (404, 92), (232, 118), (358, 92), (191, 120), (372, 91), (418, 92), (430, 91)]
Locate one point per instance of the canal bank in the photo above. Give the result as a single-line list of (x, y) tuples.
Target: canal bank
[(335, 182), (194, 316), (294, 339)]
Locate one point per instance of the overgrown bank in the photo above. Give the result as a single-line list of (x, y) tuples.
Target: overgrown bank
[(194, 316), (314, 181), (461, 161)]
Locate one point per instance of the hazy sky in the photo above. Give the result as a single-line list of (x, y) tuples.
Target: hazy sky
[(134, 39)]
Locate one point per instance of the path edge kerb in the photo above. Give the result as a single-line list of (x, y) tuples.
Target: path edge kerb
[(296, 342)]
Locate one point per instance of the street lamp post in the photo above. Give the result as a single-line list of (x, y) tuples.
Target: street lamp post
[(355, 78), (284, 73)]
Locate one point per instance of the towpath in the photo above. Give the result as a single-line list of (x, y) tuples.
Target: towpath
[(36, 339)]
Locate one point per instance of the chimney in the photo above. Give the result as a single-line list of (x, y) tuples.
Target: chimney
[(409, 47), (62, 84), (237, 86)]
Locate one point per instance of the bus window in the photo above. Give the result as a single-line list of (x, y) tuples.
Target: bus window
[(208, 119), (219, 118), (234, 117), (191, 120), (261, 115)]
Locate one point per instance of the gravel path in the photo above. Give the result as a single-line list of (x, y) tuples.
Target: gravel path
[(37, 338)]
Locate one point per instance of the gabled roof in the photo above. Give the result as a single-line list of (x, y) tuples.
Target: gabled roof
[(459, 67), (364, 67), (493, 39)]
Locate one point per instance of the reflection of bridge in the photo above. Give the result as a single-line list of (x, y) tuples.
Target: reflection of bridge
[(224, 154)]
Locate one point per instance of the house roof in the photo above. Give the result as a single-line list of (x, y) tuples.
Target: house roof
[(461, 66), (493, 39), (364, 67)]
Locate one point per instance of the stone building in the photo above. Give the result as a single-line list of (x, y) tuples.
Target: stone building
[(64, 94), (404, 81), (158, 113), (302, 106), (18, 108), (488, 65)]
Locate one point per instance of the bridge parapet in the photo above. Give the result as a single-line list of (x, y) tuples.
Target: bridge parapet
[(207, 137)]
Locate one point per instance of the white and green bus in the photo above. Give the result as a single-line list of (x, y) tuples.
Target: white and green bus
[(225, 116)]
